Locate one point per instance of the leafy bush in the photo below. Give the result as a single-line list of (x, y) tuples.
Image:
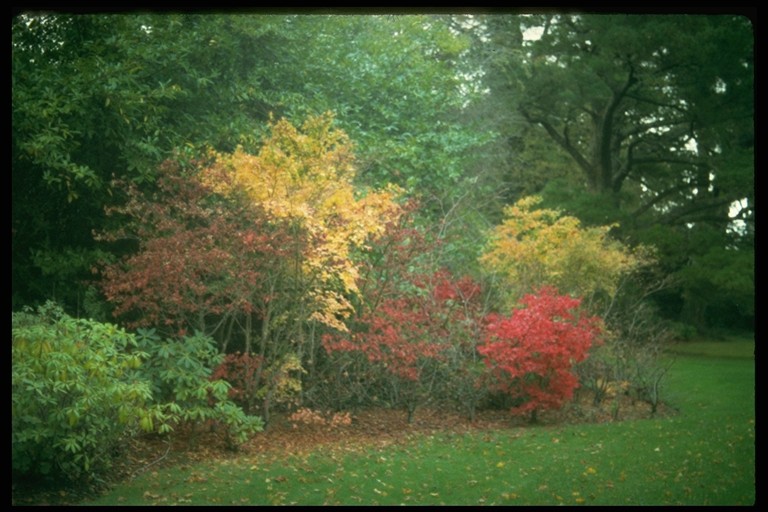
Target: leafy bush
[(533, 351), (252, 381), (75, 393), (184, 392), (536, 247), (410, 336)]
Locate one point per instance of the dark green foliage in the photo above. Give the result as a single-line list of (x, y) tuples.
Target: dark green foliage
[(103, 96), (465, 112), (638, 119), (184, 392), (75, 393), (80, 388)]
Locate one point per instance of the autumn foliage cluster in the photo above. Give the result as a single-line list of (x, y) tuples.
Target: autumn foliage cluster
[(321, 295), (535, 349)]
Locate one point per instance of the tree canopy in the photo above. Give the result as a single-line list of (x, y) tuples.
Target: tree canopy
[(648, 121), (645, 121)]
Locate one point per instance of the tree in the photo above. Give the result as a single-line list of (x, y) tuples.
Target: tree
[(650, 100), (203, 262), (256, 250), (397, 87), (306, 177), (533, 351), (102, 95), (537, 247), (206, 263), (649, 121), (421, 339)]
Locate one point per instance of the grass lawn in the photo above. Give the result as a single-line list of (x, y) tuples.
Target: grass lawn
[(703, 456), (731, 347)]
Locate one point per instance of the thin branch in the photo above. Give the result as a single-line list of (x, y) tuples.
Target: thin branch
[(660, 197), (675, 217), (657, 103), (676, 161), (143, 469), (643, 128), (561, 140)]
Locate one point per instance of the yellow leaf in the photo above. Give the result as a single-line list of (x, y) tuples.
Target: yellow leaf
[(306, 175), (535, 246)]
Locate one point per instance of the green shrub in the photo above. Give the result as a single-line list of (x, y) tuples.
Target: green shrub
[(75, 393), (80, 387), (184, 392)]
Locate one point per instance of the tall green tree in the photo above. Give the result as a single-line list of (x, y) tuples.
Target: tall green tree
[(402, 91), (94, 96), (102, 95), (649, 121)]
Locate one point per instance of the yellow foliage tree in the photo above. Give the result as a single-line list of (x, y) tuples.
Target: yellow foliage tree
[(306, 175), (536, 247)]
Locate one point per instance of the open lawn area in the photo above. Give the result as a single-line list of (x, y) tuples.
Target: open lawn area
[(702, 455)]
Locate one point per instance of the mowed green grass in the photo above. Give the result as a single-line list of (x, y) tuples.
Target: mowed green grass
[(705, 455), (737, 346)]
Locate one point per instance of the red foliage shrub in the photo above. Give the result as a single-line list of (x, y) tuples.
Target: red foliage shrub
[(533, 351), (201, 258)]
